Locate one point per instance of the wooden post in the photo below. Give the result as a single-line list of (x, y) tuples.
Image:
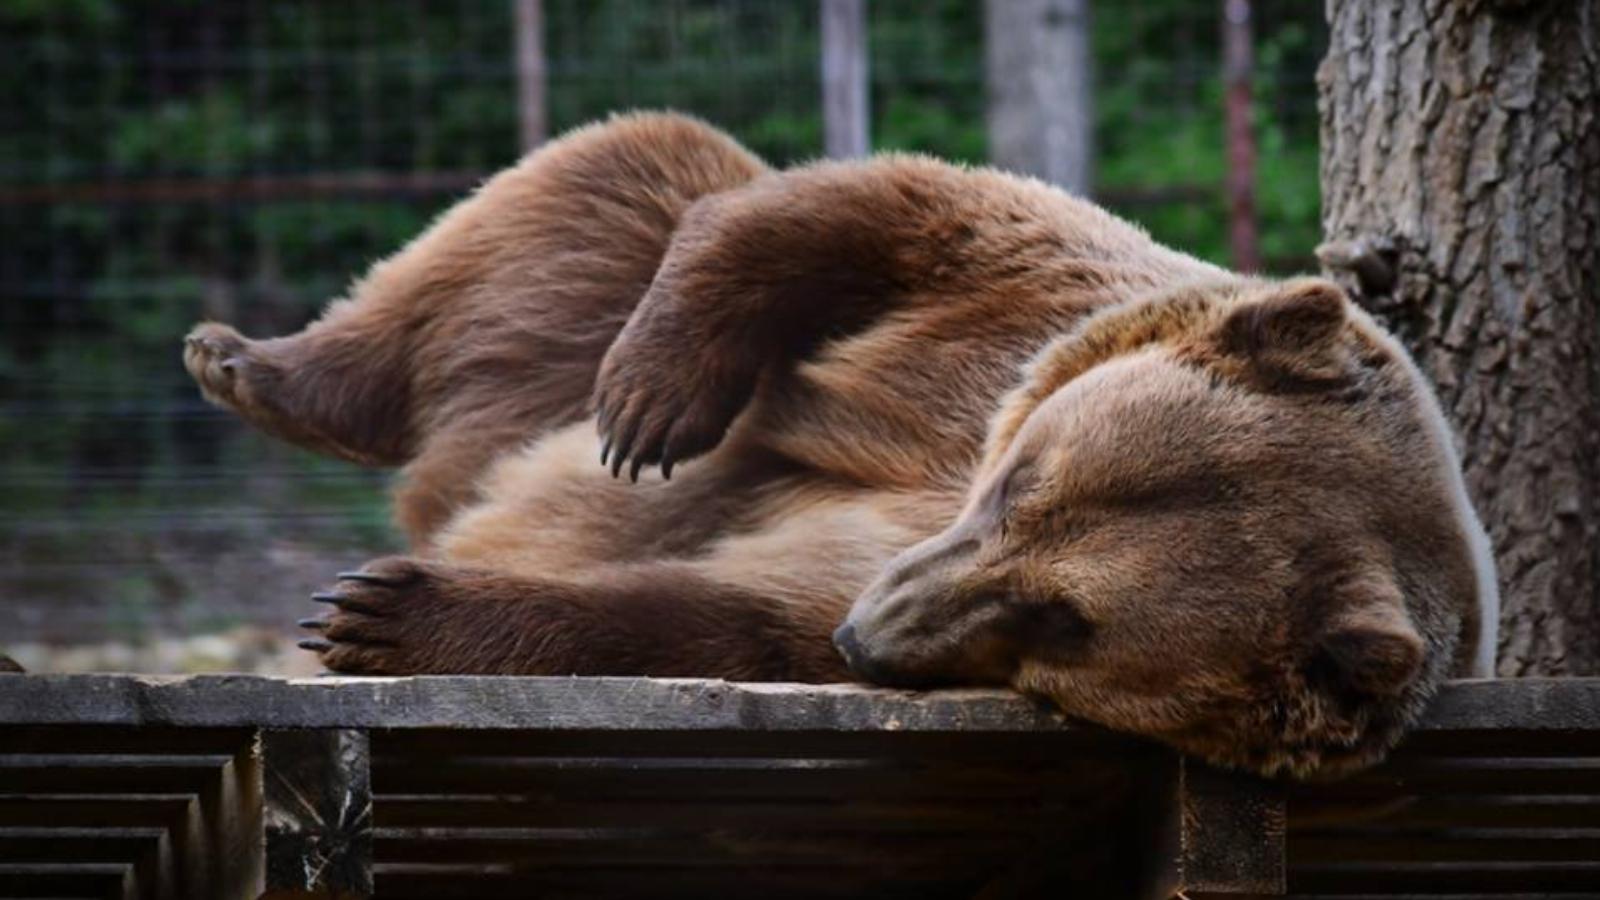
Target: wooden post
[(532, 110), (845, 121), (1232, 833), (1238, 61), (318, 813), (1461, 206), (230, 816), (1040, 108)]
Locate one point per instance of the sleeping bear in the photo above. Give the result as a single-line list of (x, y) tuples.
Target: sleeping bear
[(660, 410)]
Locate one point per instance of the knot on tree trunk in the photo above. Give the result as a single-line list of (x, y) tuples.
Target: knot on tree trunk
[(1370, 259)]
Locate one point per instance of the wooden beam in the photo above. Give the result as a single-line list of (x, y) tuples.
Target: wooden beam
[(546, 704), (656, 704), (1522, 704), (845, 115)]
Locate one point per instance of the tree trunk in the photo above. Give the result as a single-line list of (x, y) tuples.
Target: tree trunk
[(1461, 202)]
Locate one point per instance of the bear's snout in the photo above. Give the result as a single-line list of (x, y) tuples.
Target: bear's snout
[(869, 667), (848, 645)]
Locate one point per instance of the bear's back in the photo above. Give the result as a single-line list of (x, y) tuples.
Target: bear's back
[(1008, 264)]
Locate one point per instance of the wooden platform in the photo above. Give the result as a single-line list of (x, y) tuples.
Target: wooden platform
[(135, 787)]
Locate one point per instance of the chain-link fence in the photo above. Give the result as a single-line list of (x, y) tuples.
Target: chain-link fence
[(165, 161)]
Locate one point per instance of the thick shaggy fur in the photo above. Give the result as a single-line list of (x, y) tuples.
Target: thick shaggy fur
[(1030, 445)]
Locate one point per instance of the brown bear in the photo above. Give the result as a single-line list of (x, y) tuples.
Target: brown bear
[(1028, 444)]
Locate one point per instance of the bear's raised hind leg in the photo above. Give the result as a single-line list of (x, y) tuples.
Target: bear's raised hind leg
[(340, 389)]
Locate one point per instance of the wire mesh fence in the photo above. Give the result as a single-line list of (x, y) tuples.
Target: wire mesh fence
[(165, 161)]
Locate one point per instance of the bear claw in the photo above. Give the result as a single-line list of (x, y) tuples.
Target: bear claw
[(371, 578)]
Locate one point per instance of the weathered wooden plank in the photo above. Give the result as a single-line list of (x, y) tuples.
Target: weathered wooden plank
[(711, 778), (126, 740), (554, 704), (1556, 706), (1516, 704), (623, 704), (1455, 845), (1361, 876), (1494, 895), (1412, 813), (1504, 743), (46, 773), (681, 847), (911, 815), (477, 882), (64, 879), (1024, 750), (318, 812), (141, 850), (1474, 775), (55, 843), (104, 811)]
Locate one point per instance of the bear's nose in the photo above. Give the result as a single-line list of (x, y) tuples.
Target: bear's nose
[(860, 661), (844, 638)]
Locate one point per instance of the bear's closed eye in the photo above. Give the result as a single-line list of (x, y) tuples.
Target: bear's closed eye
[(1049, 628)]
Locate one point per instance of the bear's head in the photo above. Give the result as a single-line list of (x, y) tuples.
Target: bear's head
[(1228, 517)]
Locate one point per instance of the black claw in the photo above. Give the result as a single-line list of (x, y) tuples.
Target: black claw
[(369, 578), (666, 468), (316, 624), (327, 597), (633, 473), (624, 448), (315, 646), (605, 450)]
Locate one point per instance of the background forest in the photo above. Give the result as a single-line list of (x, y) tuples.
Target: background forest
[(163, 161)]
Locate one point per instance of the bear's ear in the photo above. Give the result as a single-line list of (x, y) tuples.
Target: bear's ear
[(1369, 645), (1293, 331)]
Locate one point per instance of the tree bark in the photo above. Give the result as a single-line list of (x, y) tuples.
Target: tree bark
[(1461, 203)]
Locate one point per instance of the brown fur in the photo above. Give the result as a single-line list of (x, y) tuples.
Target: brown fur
[(1214, 510)]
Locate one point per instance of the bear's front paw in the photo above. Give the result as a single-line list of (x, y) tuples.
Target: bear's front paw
[(389, 618), (651, 410), (221, 362)]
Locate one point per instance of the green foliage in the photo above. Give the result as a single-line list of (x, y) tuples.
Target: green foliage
[(102, 433)]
